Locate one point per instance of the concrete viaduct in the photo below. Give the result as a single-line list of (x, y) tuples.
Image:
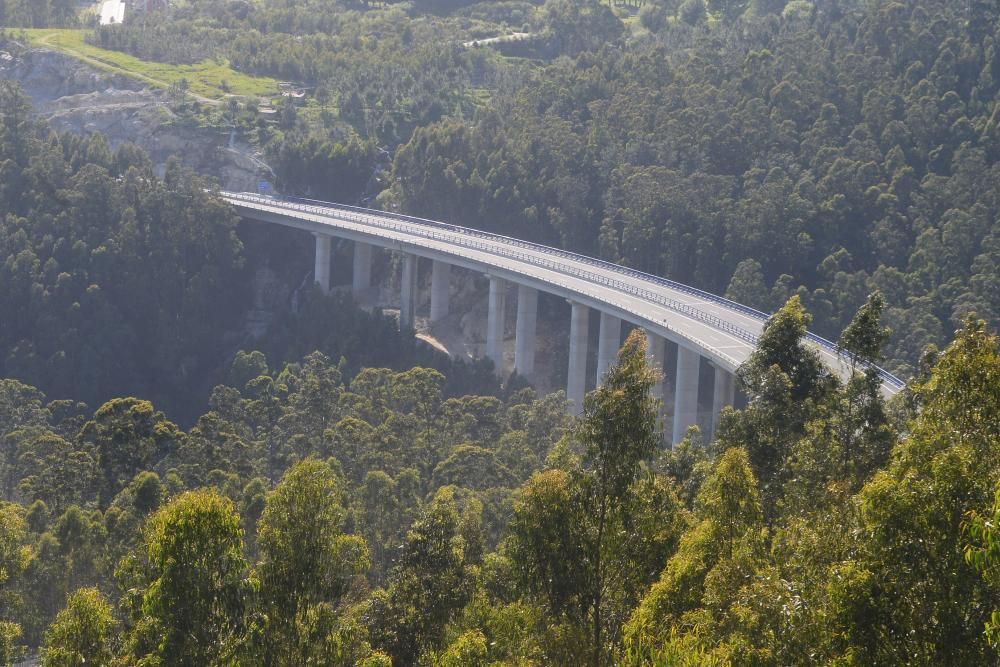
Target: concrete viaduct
[(701, 325)]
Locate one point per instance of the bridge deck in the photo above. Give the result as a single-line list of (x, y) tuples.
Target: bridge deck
[(723, 331)]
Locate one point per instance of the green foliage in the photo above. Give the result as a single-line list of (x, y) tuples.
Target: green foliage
[(782, 346), (429, 586), (128, 436), (9, 634), (715, 557), (83, 633), (984, 554), (54, 471), (112, 285), (913, 511), (575, 532), (188, 585), (864, 337), (325, 170), (867, 560), (792, 154), (70, 554), (38, 13), (785, 383), (819, 149), (847, 555), (14, 558), (469, 649), (307, 564)]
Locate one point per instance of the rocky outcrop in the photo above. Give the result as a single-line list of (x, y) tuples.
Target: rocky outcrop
[(47, 75), (74, 97)]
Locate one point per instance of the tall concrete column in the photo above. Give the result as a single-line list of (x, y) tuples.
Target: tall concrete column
[(440, 289), (608, 344), (408, 292), (576, 377), (321, 272), (723, 394), (361, 278), (495, 322), (656, 358), (527, 316), (685, 392)]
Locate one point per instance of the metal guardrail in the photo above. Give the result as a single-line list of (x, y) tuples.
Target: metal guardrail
[(500, 250), (425, 227)]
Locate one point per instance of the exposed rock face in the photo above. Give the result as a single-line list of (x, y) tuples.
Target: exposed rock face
[(76, 98), (47, 76)]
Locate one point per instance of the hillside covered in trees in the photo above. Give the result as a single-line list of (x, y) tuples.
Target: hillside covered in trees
[(759, 148), (174, 492), (772, 149), (305, 520), (115, 282)]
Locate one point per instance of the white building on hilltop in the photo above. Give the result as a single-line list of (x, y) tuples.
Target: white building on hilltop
[(113, 12)]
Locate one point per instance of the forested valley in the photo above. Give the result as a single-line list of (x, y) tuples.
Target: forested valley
[(755, 148), (174, 492)]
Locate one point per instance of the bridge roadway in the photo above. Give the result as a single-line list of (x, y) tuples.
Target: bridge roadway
[(722, 331)]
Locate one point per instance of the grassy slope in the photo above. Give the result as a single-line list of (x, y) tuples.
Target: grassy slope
[(204, 78)]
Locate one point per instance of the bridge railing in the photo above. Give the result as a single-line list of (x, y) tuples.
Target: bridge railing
[(363, 215), (424, 227)]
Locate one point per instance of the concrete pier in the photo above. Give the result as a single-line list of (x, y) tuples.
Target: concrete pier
[(608, 344), (527, 317), (656, 358), (685, 392), (576, 377), (495, 322), (440, 290), (723, 394), (361, 270), (408, 292), (321, 271)]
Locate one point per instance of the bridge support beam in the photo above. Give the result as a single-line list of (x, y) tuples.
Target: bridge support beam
[(527, 317), (576, 377), (440, 290), (723, 394), (685, 392), (608, 344), (361, 270), (656, 357), (408, 292), (495, 322), (321, 270)]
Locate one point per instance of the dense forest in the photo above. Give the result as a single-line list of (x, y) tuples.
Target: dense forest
[(176, 492), (826, 152), (306, 520), (760, 149), (119, 283)]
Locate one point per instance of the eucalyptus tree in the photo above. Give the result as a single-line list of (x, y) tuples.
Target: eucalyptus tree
[(307, 564)]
